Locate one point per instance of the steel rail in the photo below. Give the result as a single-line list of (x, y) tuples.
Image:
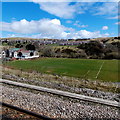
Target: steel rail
[(26, 111), (64, 93)]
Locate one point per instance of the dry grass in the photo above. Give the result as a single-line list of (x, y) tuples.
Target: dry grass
[(68, 81)]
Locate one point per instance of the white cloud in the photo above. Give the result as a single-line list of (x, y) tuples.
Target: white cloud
[(107, 9), (62, 9), (115, 17), (75, 35), (105, 28), (82, 7), (87, 34), (106, 35), (61, 0), (13, 35), (38, 1), (73, 0), (17, 35), (56, 21), (46, 28), (26, 27), (78, 24), (117, 23), (68, 21), (81, 26)]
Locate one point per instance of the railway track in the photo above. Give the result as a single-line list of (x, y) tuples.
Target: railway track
[(30, 113), (64, 93)]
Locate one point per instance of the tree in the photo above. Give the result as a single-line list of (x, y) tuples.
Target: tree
[(7, 53), (31, 54), (30, 47), (19, 46), (93, 49), (19, 54)]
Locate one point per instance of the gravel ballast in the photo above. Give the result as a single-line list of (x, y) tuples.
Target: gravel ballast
[(56, 107), (82, 91)]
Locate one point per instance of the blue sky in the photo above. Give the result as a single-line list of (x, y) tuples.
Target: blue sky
[(59, 19)]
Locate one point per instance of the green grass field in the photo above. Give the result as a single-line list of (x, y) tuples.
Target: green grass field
[(105, 70)]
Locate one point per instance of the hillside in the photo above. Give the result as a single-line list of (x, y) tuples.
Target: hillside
[(108, 39)]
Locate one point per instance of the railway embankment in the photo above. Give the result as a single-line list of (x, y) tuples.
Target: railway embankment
[(57, 107), (81, 90)]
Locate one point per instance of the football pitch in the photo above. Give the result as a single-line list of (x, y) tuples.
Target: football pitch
[(105, 70)]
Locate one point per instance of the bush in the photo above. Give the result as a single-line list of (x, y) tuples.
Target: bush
[(112, 55), (93, 49), (48, 52), (30, 47), (19, 46)]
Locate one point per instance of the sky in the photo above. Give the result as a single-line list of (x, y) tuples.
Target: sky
[(59, 20)]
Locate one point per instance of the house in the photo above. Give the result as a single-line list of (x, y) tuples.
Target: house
[(18, 53), (73, 42), (2, 54)]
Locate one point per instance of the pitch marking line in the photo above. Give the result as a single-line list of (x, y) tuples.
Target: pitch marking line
[(99, 69), (85, 74)]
